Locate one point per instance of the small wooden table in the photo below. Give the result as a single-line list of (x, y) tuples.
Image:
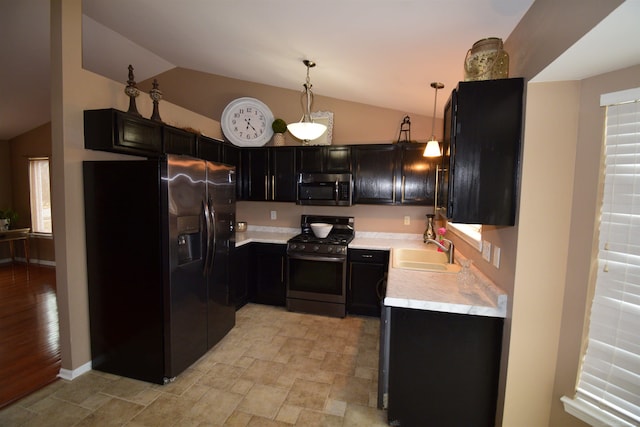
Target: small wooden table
[(13, 235)]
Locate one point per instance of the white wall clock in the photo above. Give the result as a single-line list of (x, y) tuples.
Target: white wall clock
[(246, 122)]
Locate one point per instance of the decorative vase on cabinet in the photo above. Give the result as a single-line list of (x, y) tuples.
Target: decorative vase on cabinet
[(278, 139)]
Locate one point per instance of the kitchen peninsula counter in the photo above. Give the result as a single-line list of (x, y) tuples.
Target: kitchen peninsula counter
[(434, 291), (421, 290)]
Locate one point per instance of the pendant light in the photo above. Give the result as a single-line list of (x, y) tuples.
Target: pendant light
[(306, 129), (433, 148)]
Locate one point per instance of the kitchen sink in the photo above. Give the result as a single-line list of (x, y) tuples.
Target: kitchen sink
[(423, 259)]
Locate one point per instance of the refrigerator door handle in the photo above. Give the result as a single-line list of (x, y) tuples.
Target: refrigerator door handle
[(214, 236), (207, 225)]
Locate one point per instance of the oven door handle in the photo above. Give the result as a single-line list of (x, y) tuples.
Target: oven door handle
[(317, 258)]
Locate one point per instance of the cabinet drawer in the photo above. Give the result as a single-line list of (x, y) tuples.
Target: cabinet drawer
[(364, 255)]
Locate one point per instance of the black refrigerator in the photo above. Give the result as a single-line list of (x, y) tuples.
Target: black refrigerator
[(159, 234)]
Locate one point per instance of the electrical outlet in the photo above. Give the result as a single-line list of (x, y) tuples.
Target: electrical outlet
[(274, 215), (496, 257), (486, 250), (407, 220)]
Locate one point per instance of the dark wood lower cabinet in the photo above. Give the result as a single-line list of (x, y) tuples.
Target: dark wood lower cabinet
[(366, 281), (239, 274), (267, 263), (443, 368)]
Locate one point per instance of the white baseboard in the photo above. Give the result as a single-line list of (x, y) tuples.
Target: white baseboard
[(31, 261), (71, 375)]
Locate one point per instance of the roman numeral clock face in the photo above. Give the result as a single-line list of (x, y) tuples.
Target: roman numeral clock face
[(246, 122)]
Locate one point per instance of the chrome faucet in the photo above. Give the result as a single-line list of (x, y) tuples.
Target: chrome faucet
[(448, 251)]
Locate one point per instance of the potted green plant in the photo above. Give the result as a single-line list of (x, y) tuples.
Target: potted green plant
[(7, 218), (279, 127)]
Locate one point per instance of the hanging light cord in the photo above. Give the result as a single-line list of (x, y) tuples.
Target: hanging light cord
[(433, 119), (307, 94), (436, 86)]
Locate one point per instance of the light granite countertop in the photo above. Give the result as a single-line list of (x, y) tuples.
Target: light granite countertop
[(421, 290), (278, 235)]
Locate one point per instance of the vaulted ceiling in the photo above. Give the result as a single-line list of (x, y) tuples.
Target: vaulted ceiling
[(378, 52)]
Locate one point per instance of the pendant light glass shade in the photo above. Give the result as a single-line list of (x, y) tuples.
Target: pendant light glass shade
[(433, 147), (306, 129)]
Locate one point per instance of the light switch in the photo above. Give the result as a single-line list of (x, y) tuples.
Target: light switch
[(407, 220), (274, 215), (496, 257), (486, 250)]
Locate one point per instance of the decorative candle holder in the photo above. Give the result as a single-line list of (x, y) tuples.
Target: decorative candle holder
[(156, 96), (132, 92), (405, 130)]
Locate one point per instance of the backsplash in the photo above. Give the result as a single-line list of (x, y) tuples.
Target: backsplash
[(371, 218)]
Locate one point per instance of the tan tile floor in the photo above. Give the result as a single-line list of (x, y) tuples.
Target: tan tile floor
[(275, 368)]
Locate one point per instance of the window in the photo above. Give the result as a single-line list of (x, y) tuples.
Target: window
[(40, 195), (608, 390), (470, 233)]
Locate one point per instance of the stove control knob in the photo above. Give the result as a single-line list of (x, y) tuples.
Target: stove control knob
[(330, 249), (316, 248), (301, 247), (293, 246)]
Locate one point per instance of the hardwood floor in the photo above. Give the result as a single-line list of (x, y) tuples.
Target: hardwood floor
[(29, 334)]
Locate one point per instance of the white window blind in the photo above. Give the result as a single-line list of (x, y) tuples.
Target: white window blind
[(609, 384), (40, 195)]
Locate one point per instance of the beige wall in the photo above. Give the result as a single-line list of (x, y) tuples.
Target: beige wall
[(5, 175), (557, 245), (543, 240), (35, 143), (582, 254), (556, 218), (388, 219), (73, 91), (354, 123)]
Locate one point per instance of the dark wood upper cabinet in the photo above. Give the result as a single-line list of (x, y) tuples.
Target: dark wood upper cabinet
[(230, 155), (338, 159), (375, 174), (209, 149), (178, 141), (418, 175), (310, 159), (119, 132), (394, 174), (328, 159), (268, 174), (282, 180), (482, 139)]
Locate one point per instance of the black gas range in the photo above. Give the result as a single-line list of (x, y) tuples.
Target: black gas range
[(334, 244), (317, 267)]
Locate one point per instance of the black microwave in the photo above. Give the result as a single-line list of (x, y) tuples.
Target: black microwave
[(325, 189)]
